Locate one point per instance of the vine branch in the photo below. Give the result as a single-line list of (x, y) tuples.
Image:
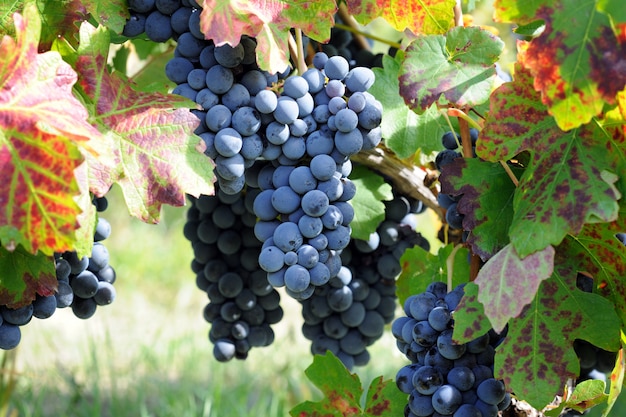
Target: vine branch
[(406, 177)]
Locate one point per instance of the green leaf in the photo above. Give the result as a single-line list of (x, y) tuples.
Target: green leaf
[(369, 209), (269, 22), (470, 321), (532, 29), (23, 275), (384, 399), (425, 16), (566, 183), (616, 380), (586, 394), (577, 62), (111, 13), (342, 391), (41, 123), (457, 69), (614, 8), (507, 283), (486, 200), (405, 131), (150, 149), (420, 268), (538, 346), (522, 12), (61, 19), (597, 251)]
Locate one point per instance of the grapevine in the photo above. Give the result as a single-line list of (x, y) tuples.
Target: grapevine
[(305, 145)]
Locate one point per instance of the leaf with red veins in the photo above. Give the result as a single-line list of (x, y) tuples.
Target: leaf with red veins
[(269, 21), (568, 181), (41, 124), (23, 275), (578, 62), (425, 16), (150, 149)]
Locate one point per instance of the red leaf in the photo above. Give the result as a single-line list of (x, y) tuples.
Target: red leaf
[(39, 122), (150, 149), (24, 275)]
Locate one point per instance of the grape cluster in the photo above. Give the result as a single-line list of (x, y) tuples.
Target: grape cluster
[(451, 142), (445, 378), (303, 208), (242, 304), (349, 313), (161, 20), (83, 284)]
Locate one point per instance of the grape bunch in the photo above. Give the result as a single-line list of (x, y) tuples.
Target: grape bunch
[(161, 20), (451, 141), (303, 208), (349, 313), (445, 378), (343, 43), (83, 284), (242, 304)]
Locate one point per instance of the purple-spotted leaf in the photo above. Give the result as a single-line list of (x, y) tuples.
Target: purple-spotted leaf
[(41, 123), (567, 182), (425, 16), (598, 251), (486, 201), (538, 346), (578, 63), (507, 283), (384, 399), (342, 393), (23, 275), (150, 149), (111, 13), (369, 209), (470, 320), (269, 21), (456, 69), (420, 268), (404, 131)]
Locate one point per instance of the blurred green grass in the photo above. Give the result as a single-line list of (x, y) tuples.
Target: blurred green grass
[(148, 353)]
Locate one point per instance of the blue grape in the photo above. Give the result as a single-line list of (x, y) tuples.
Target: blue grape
[(135, 25), (158, 28), (246, 121), (189, 46), (308, 256), (296, 86), (335, 88), (335, 104), (219, 79), (286, 110), (336, 68), (491, 391), (446, 400), (265, 101), (218, 117), (285, 200), (229, 56), (141, 6), (427, 379), (315, 203), (346, 120), (167, 6), (10, 336), (287, 237), (359, 79), (301, 180), (298, 128), (180, 20), (237, 96), (297, 278), (228, 142), (197, 80), (230, 168), (349, 143), (314, 79), (254, 81), (177, 69)]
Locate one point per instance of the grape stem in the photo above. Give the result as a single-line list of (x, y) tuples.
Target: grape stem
[(351, 25), (296, 49), (407, 178), (360, 36), (458, 14), (450, 265)]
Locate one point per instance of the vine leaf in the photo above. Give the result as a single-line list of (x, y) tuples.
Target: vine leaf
[(486, 201), (586, 394), (426, 16), (538, 346), (578, 62), (149, 148), (269, 21), (420, 268), (369, 209), (470, 321), (508, 283), (458, 67), (23, 275), (343, 391), (597, 251), (567, 182), (111, 13), (616, 382), (40, 125), (404, 131)]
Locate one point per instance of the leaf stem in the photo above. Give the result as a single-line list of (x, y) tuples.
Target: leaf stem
[(458, 14), (510, 173), (450, 265), (466, 140), (300, 52)]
